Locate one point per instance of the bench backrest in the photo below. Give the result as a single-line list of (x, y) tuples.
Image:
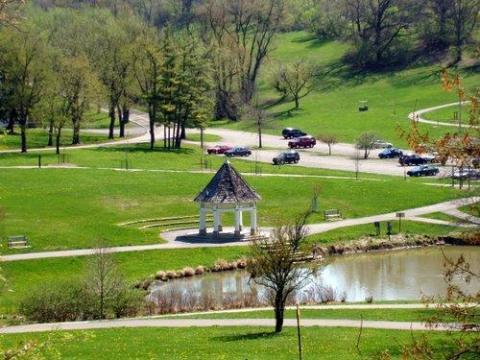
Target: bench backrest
[(332, 212), (17, 238)]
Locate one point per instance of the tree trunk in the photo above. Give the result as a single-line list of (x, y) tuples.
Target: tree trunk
[(297, 102), (11, 122), (365, 154), (111, 127), (225, 108), (76, 132), (329, 149), (260, 145), (50, 134), (152, 114), (57, 140), (125, 120), (23, 135), (279, 314), (183, 136)]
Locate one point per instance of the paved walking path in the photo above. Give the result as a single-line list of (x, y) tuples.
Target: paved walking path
[(188, 323), (416, 115), (172, 243)]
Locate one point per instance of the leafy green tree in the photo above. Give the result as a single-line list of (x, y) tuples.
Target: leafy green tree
[(25, 67), (296, 80), (80, 87), (365, 142), (147, 63)]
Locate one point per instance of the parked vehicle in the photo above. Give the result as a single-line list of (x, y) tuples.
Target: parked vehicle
[(380, 144), (238, 151), (466, 174), (302, 142), (413, 159), (218, 149), (423, 170), (390, 153), (291, 133), (286, 157)]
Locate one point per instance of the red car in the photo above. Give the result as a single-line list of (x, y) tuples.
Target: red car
[(302, 142), (219, 149)]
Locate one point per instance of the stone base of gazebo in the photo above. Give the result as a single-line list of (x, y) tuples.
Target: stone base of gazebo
[(226, 236)]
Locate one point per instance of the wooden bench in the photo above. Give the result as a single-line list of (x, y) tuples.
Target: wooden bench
[(17, 241), (332, 214)]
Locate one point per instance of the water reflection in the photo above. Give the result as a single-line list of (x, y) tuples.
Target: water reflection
[(395, 275)]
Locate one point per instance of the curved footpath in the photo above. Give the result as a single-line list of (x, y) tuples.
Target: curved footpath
[(416, 115), (172, 243)]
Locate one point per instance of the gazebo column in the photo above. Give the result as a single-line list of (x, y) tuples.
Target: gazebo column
[(238, 226), (216, 222), (240, 215), (253, 221), (202, 222)]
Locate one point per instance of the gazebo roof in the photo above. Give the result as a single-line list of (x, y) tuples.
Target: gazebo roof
[(227, 187)]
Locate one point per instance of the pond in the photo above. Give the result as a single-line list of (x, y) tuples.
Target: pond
[(384, 276)]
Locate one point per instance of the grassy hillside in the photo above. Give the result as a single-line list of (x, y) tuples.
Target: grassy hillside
[(333, 108)]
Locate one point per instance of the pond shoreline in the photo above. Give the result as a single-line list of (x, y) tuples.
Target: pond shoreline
[(320, 253)]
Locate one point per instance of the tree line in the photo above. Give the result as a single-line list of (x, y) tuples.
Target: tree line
[(58, 64)]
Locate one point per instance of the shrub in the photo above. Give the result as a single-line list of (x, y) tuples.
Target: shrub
[(171, 274), (188, 272), (200, 270), (54, 302), (161, 275)]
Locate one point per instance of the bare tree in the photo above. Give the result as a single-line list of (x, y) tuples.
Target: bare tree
[(273, 264), (330, 140), (103, 282), (376, 25), (464, 17), (259, 117)]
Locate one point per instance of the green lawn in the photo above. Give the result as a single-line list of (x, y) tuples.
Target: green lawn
[(442, 216), (333, 107), (356, 232), (38, 138), (227, 343), (409, 315), (447, 114), (75, 208), (97, 120), (206, 137)]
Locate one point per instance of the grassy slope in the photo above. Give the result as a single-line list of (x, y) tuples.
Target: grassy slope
[(334, 107), (227, 343)]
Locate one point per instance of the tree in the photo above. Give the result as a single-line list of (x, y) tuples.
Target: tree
[(80, 87), (273, 264), (147, 63), (464, 18), (25, 68), (365, 142), (436, 30), (330, 140), (7, 10), (296, 80), (103, 282), (240, 33), (376, 26), (259, 117)]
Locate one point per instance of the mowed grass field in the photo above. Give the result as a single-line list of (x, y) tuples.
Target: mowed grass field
[(333, 107), (227, 343), (75, 208)]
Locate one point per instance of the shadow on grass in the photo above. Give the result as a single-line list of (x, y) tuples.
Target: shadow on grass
[(247, 337), (145, 148)]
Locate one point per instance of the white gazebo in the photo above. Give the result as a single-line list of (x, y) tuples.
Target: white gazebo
[(227, 192)]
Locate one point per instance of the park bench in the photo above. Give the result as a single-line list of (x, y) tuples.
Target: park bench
[(17, 241), (332, 214)]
